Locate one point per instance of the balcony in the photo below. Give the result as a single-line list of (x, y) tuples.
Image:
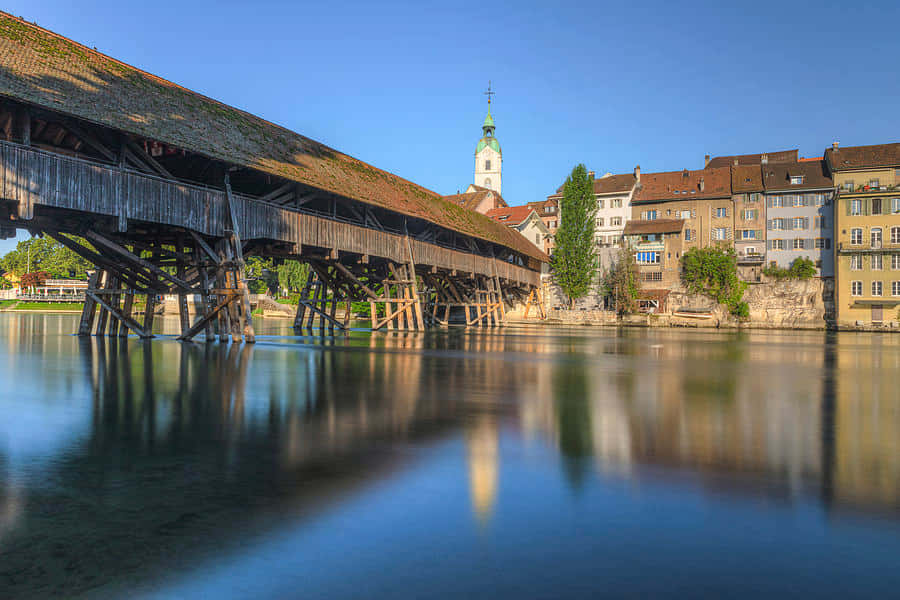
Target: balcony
[(857, 189), (750, 259), (877, 246)]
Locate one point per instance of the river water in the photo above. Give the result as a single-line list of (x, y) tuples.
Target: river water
[(524, 462)]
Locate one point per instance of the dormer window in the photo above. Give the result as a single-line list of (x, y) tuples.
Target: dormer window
[(796, 179), (502, 218)]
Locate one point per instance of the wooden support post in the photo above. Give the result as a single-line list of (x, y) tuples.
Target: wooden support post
[(149, 310), (182, 296), (127, 307), (115, 302), (204, 293), (104, 314), (301, 303), (90, 307), (388, 306)]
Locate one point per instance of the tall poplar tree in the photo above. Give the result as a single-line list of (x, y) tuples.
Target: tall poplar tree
[(574, 263)]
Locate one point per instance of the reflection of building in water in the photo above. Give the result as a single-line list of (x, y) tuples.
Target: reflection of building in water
[(483, 459), (744, 405), (867, 420)]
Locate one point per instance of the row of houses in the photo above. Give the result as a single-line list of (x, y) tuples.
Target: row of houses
[(841, 210)]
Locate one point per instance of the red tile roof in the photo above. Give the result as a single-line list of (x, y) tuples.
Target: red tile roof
[(779, 156), (815, 176), (746, 179), (857, 157), (638, 227), (472, 200), (511, 215), (683, 185), (42, 68)]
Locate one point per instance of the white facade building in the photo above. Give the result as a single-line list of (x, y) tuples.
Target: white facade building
[(489, 157)]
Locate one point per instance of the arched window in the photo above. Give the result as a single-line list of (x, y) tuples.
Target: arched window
[(487, 165), (487, 183)]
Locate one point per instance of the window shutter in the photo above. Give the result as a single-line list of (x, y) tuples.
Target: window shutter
[(758, 234), (828, 243), (768, 244), (771, 224), (769, 201), (849, 202), (805, 222)]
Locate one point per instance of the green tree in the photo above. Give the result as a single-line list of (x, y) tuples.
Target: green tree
[(45, 254), (262, 276), (621, 282), (574, 263), (713, 271), (292, 275)]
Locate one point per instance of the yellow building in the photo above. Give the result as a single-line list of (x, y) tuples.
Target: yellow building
[(867, 233)]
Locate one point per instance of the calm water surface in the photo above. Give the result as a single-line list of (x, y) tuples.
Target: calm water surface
[(530, 463)]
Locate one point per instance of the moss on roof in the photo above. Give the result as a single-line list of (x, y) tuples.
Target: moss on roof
[(43, 68)]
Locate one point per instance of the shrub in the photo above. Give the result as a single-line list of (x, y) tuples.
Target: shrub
[(713, 271), (801, 268)]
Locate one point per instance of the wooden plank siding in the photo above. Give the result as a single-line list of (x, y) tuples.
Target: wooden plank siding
[(33, 177)]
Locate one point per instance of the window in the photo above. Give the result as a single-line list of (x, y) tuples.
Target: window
[(720, 233), (876, 262), (749, 215), (820, 222), (856, 207), (876, 288), (685, 214), (895, 206), (748, 234), (856, 288), (796, 179), (776, 201), (600, 203), (895, 262), (615, 221), (649, 215), (895, 288), (856, 262), (856, 236), (821, 199), (799, 223), (537, 239), (876, 206), (876, 237), (895, 235), (754, 197), (750, 250), (873, 183), (848, 185), (647, 258), (721, 213), (820, 243), (687, 235), (487, 165), (777, 244), (798, 200), (487, 183), (616, 203), (599, 221), (797, 244)]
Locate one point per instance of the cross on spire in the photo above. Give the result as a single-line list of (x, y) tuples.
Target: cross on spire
[(489, 93)]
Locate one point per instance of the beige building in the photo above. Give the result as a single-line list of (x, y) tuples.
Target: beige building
[(657, 246), (524, 220), (867, 233)]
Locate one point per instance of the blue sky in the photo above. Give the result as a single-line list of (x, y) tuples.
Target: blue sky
[(613, 85)]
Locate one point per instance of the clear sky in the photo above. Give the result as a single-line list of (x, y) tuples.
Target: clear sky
[(611, 85)]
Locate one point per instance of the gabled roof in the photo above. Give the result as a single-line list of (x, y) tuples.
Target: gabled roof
[(683, 185), (608, 184), (45, 69), (814, 173), (639, 227), (859, 157), (746, 179), (779, 156), (471, 200)]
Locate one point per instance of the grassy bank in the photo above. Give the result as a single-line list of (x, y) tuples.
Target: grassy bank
[(40, 306)]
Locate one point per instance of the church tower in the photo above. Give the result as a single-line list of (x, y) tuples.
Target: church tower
[(488, 157)]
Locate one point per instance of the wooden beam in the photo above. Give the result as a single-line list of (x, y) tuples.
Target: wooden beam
[(355, 280), (91, 141), (281, 190), (122, 317), (142, 155), (93, 236)]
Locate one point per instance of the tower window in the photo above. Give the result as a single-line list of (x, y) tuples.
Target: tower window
[(487, 183), (487, 165)]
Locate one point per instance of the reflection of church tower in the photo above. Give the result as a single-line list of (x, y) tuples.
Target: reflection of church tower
[(488, 157), (481, 443)]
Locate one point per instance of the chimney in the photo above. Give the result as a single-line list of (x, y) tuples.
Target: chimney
[(702, 184), (764, 159), (834, 146), (735, 162), (685, 173), (706, 161), (591, 175), (637, 173)]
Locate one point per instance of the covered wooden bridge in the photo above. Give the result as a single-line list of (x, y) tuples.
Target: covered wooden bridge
[(167, 191)]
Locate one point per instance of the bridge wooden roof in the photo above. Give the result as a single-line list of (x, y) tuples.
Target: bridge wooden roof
[(46, 69)]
